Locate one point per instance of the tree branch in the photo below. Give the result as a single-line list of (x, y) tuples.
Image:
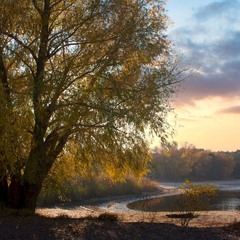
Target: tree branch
[(37, 7), (27, 47), (3, 76)]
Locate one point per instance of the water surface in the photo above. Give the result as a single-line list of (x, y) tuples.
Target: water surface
[(228, 198)]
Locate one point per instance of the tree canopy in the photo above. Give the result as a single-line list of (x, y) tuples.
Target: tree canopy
[(93, 74)]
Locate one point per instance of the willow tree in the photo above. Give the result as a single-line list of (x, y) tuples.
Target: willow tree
[(90, 73)]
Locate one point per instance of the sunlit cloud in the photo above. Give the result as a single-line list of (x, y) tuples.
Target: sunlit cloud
[(215, 57), (207, 107), (230, 110)]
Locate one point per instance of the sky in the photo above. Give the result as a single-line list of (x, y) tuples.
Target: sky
[(206, 34)]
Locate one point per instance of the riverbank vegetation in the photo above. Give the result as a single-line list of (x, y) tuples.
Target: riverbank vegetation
[(95, 189), (66, 181)]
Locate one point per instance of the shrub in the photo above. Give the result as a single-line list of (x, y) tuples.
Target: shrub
[(194, 198), (197, 197), (108, 217)]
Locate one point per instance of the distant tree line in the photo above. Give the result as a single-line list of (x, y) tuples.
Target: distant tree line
[(192, 163)]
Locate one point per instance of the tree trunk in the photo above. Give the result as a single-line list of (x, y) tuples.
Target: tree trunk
[(15, 193), (24, 189), (31, 192), (23, 196), (3, 192)]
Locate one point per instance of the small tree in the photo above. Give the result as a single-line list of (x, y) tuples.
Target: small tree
[(194, 197)]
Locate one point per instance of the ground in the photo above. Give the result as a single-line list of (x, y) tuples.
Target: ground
[(83, 223)]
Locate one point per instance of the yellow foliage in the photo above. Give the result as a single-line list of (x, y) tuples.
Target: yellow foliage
[(197, 196), (82, 81)]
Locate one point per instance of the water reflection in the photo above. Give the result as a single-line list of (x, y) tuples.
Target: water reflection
[(227, 200)]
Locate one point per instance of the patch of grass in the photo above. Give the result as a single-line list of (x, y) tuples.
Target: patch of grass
[(62, 216), (108, 217)]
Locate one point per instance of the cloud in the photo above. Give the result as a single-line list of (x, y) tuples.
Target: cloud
[(187, 120), (229, 46), (230, 110), (213, 50), (223, 82), (216, 9)]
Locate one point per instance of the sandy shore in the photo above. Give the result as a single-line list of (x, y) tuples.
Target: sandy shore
[(82, 223), (204, 219)]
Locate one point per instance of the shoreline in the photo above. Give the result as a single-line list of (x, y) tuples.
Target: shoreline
[(121, 206), (114, 203), (118, 205)]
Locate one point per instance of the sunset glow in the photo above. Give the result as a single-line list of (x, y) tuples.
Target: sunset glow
[(206, 34)]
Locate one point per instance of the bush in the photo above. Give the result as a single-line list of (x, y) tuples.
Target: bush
[(194, 198)]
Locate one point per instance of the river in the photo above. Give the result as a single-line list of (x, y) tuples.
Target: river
[(228, 199)]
